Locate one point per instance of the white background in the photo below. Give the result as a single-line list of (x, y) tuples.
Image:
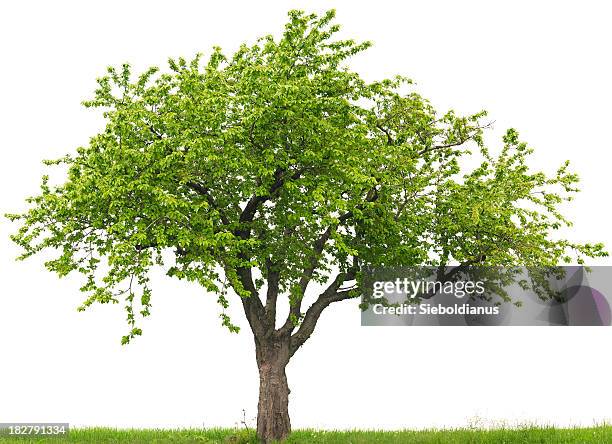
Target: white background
[(542, 67)]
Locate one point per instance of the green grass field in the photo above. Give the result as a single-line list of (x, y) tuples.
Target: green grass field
[(601, 434)]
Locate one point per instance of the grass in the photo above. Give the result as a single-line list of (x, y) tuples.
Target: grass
[(599, 434)]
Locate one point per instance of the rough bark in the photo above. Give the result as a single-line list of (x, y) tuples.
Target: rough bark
[(273, 422)]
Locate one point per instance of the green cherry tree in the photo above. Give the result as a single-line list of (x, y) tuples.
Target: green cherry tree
[(277, 170)]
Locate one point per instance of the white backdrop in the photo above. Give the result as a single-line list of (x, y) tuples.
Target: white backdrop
[(543, 68)]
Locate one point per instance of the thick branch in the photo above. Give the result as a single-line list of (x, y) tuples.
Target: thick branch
[(260, 318), (330, 295), (390, 140), (296, 307), (202, 190), (272, 293), (253, 204), (253, 308)]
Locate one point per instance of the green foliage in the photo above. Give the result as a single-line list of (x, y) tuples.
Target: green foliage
[(281, 159)]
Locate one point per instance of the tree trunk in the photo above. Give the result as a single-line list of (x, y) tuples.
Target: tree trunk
[(273, 422)]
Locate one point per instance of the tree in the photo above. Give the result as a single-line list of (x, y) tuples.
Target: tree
[(277, 168)]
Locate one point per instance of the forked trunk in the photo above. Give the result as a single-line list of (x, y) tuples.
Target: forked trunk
[(273, 422)]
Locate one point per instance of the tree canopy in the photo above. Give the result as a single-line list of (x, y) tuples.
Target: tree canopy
[(279, 166)]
